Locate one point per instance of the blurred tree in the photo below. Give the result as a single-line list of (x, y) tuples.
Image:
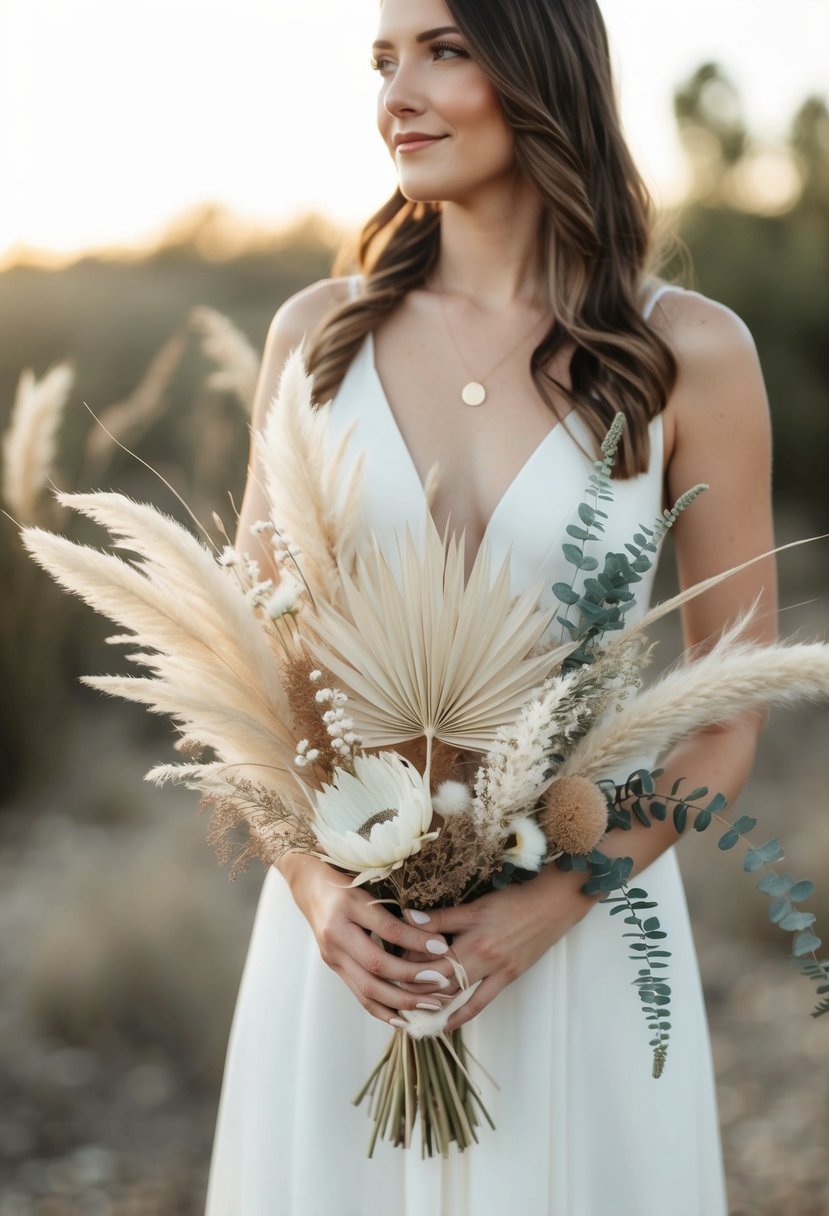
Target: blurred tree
[(709, 113), (771, 269), (809, 141)]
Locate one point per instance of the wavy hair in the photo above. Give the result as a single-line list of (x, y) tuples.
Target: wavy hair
[(549, 63)]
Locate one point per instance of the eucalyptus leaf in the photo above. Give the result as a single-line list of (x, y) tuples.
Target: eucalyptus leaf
[(805, 943), (802, 890)]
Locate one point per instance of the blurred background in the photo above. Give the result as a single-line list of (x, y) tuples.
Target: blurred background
[(169, 173)]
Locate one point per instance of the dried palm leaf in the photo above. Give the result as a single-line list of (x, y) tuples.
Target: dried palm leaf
[(423, 654)]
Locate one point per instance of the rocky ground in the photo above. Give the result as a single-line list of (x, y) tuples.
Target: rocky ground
[(121, 950)]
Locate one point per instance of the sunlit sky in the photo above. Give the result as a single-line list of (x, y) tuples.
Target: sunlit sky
[(117, 115)]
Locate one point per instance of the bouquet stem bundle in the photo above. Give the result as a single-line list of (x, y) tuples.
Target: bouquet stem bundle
[(429, 1078)]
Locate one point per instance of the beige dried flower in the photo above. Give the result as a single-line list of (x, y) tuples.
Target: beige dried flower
[(573, 815), (447, 867)]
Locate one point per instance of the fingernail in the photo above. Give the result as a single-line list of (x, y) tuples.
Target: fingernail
[(432, 977), (426, 1005), (418, 917), (399, 1023), (435, 946)]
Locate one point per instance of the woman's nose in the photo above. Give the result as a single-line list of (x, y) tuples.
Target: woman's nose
[(403, 95)]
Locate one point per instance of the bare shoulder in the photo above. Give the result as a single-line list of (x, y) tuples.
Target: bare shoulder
[(294, 320), (719, 396), (718, 432), (302, 312)]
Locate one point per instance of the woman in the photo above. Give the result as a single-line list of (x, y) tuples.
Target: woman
[(514, 255)]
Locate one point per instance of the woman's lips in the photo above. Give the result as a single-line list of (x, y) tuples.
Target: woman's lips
[(414, 145)]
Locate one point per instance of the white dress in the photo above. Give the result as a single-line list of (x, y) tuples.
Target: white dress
[(583, 1129)]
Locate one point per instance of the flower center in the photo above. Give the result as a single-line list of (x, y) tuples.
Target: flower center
[(381, 817)]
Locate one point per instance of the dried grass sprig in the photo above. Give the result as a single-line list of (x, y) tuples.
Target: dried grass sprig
[(446, 867), (274, 825), (227, 346), (31, 438)]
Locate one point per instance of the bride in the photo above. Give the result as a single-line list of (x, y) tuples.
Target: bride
[(505, 309)]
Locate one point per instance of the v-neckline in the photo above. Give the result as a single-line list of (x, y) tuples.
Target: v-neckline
[(537, 450)]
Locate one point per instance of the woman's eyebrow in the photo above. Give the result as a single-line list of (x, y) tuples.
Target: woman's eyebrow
[(424, 37)]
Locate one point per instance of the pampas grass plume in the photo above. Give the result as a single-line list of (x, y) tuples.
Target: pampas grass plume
[(30, 441), (128, 420), (574, 815), (237, 362)]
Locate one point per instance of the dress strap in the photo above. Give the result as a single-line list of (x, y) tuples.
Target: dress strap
[(657, 295)]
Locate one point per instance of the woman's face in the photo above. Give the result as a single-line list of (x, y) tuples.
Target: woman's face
[(429, 84)]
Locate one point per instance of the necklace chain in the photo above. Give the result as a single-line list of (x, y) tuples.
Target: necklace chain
[(473, 392)]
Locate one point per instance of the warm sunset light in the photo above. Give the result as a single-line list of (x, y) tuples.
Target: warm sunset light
[(117, 115)]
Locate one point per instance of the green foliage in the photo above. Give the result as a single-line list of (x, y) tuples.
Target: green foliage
[(630, 798), (648, 951), (818, 972), (603, 600)]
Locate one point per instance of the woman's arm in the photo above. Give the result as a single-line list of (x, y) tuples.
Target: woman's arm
[(718, 431)]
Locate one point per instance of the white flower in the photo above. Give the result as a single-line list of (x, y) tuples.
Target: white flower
[(369, 823), (229, 556), (452, 798), (530, 846), (284, 600)]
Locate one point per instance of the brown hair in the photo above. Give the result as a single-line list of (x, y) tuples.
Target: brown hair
[(549, 63)]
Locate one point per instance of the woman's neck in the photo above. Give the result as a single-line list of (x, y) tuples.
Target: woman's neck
[(489, 251)]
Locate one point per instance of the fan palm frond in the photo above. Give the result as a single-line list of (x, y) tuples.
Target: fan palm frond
[(424, 654)]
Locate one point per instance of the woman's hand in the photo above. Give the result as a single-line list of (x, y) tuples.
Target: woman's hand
[(342, 919), (500, 935)]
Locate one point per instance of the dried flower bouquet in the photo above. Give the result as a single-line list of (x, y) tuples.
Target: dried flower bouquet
[(309, 691)]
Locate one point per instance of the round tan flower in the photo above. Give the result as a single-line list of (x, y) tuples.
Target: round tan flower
[(573, 815)]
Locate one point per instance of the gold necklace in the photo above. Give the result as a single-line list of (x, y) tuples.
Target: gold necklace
[(473, 392)]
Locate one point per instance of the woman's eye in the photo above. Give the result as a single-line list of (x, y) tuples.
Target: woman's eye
[(447, 46), (378, 63)]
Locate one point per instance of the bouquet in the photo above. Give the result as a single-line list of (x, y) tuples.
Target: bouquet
[(430, 736)]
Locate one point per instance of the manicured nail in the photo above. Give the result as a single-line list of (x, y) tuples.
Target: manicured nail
[(435, 946), (399, 1023), (417, 917), (432, 977), (426, 1005)]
